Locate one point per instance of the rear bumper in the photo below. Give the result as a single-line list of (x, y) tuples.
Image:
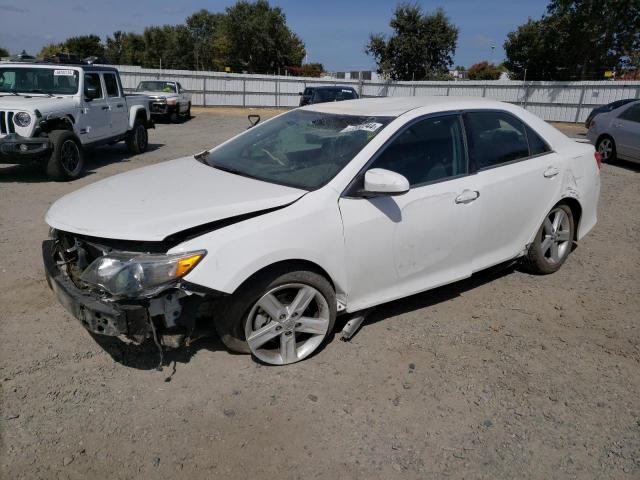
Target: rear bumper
[(17, 149)]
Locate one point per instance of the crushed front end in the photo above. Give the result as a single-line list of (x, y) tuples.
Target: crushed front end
[(114, 287)]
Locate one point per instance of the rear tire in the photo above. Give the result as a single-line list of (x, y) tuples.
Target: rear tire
[(67, 157), (607, 148), (138, 139), (239, 314), (553, 242)]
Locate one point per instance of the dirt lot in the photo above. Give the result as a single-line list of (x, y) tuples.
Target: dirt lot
[(505, 375)]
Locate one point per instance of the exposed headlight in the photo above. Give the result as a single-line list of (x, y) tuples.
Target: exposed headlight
[(22, 119), (137, 275)]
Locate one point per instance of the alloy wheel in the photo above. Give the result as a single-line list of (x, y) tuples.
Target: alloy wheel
[(287, 324), (605, 148), (556, 236), (70, 156)]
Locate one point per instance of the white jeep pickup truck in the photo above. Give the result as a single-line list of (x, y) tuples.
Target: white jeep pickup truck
[(168, 99), (52, 113)]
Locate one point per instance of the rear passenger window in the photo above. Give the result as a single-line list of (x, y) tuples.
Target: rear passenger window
[(494, 138), (537, 146), (632, 113), (430, 150), (93, 80), (111, 84)]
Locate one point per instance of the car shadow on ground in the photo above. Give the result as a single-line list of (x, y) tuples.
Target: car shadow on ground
[(631, 166), (95, 159)]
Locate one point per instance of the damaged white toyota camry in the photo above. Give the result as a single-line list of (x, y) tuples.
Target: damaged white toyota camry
[(324, 209)]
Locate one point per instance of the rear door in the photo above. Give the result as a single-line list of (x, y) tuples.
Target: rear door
[(117, 114), (400, 245), (518, 175), (626, 132)]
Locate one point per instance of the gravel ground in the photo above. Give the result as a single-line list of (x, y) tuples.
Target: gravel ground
[(504, 375)]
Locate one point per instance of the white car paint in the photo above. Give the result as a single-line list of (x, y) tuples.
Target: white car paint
[(624, 131), (373, 250), (180, 97)]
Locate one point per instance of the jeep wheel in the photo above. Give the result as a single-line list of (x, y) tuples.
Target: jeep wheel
[(67, 157), (138, 139)]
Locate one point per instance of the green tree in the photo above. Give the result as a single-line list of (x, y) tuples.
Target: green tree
[(125, 48), (4, 52), (210, 44), (421, 47), (575, 40), (83, 46), (259, 40), (484, 71)]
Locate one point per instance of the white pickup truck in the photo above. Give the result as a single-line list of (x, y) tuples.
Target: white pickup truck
[(168, 99), (52, 113)]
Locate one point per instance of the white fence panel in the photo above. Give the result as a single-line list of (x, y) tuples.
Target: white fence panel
[(555, 101)]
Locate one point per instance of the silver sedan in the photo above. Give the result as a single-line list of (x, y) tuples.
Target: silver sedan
[(616, 134)]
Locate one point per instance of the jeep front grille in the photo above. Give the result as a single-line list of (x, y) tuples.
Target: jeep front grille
[(6, 123)]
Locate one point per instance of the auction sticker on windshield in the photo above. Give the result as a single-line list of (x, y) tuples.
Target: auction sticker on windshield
[(367, 127), (63, 73)]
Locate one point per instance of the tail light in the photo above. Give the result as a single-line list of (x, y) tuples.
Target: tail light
[(598, 156)]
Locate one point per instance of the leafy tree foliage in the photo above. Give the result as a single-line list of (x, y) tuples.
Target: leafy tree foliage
[(83, 46), (307, 70), (575, 40), (248, 36), (421, 47), (4, 53), (484, 71)]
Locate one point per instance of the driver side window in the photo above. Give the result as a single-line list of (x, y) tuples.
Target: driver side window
[(93, 80), (431, 150)]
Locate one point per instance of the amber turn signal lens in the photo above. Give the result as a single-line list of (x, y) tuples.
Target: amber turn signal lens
[(185, 265)]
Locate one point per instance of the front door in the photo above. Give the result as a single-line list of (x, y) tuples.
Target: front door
[(400, 245), (94, 120)]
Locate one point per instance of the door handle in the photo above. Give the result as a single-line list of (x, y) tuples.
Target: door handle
[(467, 196), (105, 108), (120, 105), (551, 172)]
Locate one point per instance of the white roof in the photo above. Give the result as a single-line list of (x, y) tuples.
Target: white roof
[(396, 106)]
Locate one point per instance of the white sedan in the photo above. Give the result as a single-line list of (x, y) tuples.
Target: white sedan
[(330, 208)]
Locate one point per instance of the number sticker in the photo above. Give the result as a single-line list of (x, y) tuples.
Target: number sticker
[(367, 127), (63, 73)]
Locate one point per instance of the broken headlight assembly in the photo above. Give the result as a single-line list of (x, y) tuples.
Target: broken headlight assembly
[(138, 275)]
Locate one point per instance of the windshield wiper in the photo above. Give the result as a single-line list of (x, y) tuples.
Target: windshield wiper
[(38, 90)]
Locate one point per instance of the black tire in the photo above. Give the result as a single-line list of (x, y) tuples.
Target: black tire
[(607, 148), (67, 157), (174, 116), (138, 139), (539, 259), (231, 317)]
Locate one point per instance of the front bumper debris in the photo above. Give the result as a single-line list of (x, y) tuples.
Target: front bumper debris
[(17, 149)]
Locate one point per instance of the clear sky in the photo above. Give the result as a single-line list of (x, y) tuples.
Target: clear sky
[(334, 31)]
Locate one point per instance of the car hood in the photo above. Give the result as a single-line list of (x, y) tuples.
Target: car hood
[(42, 103), (154, 202)]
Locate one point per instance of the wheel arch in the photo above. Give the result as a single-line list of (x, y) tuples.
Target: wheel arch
[(576, 210), (137, 112)]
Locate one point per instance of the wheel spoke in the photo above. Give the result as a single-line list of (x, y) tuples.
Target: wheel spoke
[(548, 227), (270, 304), (262, 335), (557, 220), (302, 300), (555, 255), (288, 347), (563, 236), (546, 245), (315, 326)]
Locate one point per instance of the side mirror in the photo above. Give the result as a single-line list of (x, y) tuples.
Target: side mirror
[(300, 93), (254, 119), (379, 181), (90, 93)]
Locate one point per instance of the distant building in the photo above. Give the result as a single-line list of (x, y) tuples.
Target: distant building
[(459, 74), (366, 75)]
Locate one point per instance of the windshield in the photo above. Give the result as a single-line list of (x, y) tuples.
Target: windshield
[(167, 87), (300, 148), (58, 81)]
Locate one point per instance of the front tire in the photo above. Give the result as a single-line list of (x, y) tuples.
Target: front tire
[(187, 114), (67, 157), (174, 116), (280, 318), (607, 148), (138, 140), (553, 242)]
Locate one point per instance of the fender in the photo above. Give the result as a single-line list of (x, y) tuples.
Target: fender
[(64, 122), (134, 112)]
